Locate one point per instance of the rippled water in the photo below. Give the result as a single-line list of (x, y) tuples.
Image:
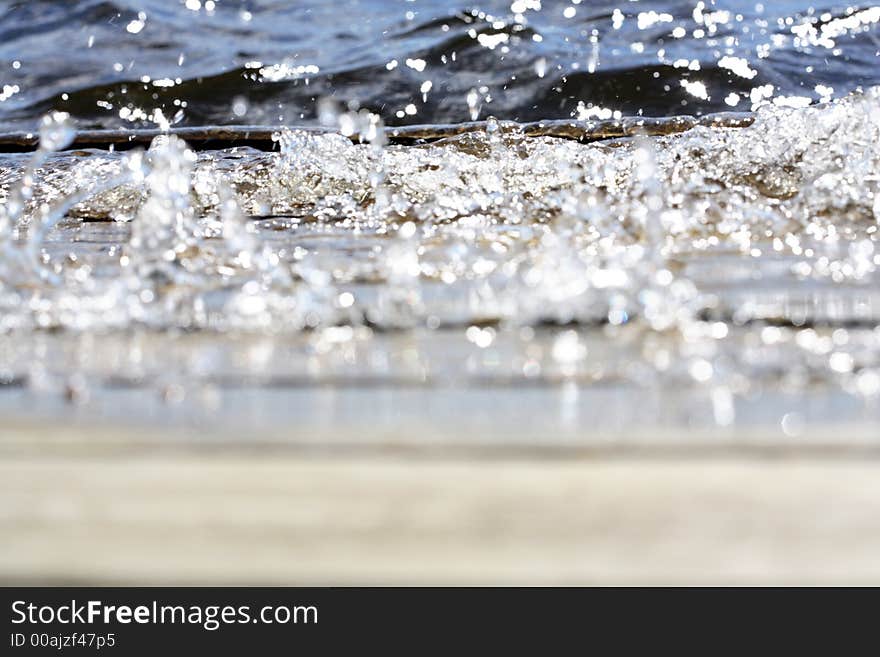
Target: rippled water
[(422, 61), (724, 263)]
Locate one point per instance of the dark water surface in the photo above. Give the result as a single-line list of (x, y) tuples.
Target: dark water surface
[(114, 63)]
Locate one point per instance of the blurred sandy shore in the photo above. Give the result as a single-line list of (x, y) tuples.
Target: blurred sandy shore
[(98, 505)]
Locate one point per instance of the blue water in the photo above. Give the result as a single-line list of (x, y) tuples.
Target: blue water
[(113, 63)]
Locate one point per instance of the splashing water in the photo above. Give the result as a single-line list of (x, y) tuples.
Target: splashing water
[(725, 258)]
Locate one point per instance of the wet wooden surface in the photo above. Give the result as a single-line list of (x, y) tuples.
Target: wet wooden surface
[(262, 136), (89, 507)]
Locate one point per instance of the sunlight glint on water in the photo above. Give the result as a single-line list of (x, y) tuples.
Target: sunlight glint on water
[(720, 258)]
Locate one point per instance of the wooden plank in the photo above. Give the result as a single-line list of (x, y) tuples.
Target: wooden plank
[(260, 136), (227, 516)]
